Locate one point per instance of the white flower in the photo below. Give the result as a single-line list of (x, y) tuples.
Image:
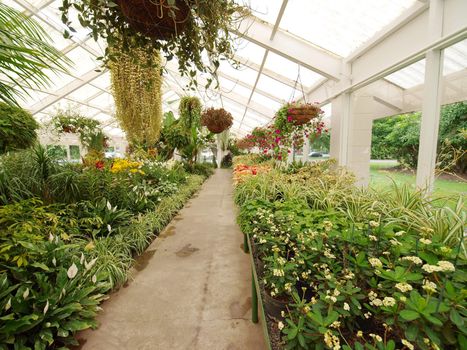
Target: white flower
[(388, 301), (81, 261), (395, 242), (359, 334), (375, 262), (399, 233), (8, 304), (367, 315), (94, 279), (26, 293), (425, 241), (414, 259), (109, 228), (89, 265), (372, 238), (280, 325), (376, 337), (46, 308), (54, 261), (109, 206), (446, 266), (431, 268), (403, 287), (407, 344), (72, 271), (374, 223), (346, 307), (283, 313), (376, 302), (335, 324), (429, 286), (51, 237)]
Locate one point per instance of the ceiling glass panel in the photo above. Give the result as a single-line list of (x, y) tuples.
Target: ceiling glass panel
[(243, 74), (278, 89), (265, 101), (291, 70), (267, 10), (409, 76), (246, 49), (340, 26)]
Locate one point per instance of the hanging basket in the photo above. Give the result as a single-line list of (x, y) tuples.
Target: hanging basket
[(303, 114), (216, 120), (155, 18), (68, 129)]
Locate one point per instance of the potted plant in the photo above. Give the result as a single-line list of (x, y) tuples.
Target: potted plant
[(158, 19), (216, 120), (189, 30)]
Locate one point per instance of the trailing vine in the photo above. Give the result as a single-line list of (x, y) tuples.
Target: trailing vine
[(137, 93)]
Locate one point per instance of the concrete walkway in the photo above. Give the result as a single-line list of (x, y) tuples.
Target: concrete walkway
[(192, 287)]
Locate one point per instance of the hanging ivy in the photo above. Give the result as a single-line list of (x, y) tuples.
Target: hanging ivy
[(137, 93)]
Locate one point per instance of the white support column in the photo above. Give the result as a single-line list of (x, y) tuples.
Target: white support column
[(340, 128), (219, 151), (431, 108), (306, 149)]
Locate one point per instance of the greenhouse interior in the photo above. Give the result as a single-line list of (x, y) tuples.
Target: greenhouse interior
[(233, 174)]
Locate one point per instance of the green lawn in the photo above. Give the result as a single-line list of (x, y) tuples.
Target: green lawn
[(380, 177)]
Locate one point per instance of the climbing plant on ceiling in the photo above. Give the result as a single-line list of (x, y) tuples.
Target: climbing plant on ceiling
[(137, 93), (190, 30)]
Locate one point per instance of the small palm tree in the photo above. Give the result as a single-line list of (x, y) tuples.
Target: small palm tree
[(25, 55)]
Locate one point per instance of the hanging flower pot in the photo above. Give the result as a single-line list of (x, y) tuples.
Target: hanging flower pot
[(156, 19), (216, 120), (68, 129), (302, 114)]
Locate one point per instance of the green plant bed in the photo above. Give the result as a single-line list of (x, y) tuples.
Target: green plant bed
[(59, 262), (357, 269)]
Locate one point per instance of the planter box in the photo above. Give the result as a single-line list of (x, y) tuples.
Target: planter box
[(257, 304)]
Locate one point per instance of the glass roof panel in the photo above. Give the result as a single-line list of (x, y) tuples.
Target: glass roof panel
[(246, 49), (243, 74), (291, 69), (455, 57), (266, 101), (84, 93), (266, 10), (409, 76), (278, 89), (340, 26)]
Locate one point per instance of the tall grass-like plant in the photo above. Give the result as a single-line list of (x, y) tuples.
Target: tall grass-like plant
[(25, 55)]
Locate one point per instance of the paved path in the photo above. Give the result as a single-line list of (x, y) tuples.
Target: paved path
[(192, 287)]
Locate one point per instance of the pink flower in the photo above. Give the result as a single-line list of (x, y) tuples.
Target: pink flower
[(289, 118), (278, 131)]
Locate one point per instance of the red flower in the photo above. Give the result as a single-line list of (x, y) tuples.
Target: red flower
[(100, 165)]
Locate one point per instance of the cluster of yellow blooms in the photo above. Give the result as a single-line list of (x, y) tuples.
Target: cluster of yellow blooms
[(122, 165)]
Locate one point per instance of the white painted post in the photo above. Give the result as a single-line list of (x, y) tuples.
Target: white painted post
[(290, 156), (306, 149), (431, 107), (340, 126), (219, 151)]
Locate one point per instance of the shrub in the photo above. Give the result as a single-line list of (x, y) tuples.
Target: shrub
[(17, 128)]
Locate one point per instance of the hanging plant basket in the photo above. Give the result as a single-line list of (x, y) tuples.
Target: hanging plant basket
[(303, 114), (156, 18), (216, 120), (68, 129)]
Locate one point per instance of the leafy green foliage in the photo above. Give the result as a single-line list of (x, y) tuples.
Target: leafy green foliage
[(25, 55), (359, 269), (398, 137), (17, 128)]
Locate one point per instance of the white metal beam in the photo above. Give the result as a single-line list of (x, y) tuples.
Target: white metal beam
[(290, 47)]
